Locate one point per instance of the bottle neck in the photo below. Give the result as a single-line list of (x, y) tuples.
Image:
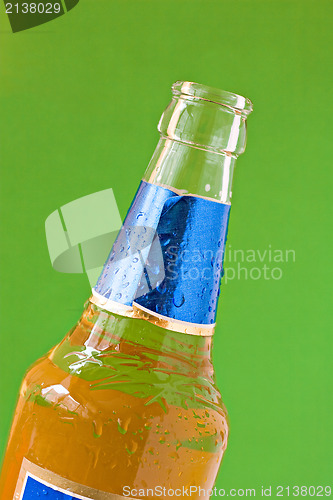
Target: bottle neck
[(192, 170), (166, 264), (100, 335)]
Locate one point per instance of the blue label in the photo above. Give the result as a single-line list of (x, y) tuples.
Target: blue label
[(168, 256), (34, 489), (120, 278)]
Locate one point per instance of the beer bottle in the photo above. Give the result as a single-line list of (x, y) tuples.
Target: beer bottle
[(126, 405)]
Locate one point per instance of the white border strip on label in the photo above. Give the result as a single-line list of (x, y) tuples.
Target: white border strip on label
[(110, 305), (139, 312), (180, 192), (175, 325)]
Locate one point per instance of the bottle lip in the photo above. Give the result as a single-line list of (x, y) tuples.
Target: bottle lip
[(211, 94)]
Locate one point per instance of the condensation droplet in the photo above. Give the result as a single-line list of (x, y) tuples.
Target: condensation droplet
[(132, 449), (120, 428), (178, 299)]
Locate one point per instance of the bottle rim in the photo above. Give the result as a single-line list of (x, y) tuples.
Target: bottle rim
[(198, 91)]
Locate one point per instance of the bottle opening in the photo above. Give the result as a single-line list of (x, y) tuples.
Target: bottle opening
[(224, 98)]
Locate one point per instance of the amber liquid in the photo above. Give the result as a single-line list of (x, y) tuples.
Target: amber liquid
[(108, 439)]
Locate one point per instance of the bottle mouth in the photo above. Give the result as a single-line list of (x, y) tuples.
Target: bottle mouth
[(197, 91)]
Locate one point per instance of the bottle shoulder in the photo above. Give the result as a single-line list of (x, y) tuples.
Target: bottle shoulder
[(73, 378)]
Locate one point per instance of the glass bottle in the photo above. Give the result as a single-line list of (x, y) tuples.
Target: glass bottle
[(127, 403)]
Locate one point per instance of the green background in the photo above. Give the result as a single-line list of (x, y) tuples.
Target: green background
[(80, 100)]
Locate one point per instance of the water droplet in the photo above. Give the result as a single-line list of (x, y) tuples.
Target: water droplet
[(125, 285), (207, 187), (166, 242), (118, 296), (135, 259), (132, 449), (97, 429), (120, 428), (178, 299), (140, 214)]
